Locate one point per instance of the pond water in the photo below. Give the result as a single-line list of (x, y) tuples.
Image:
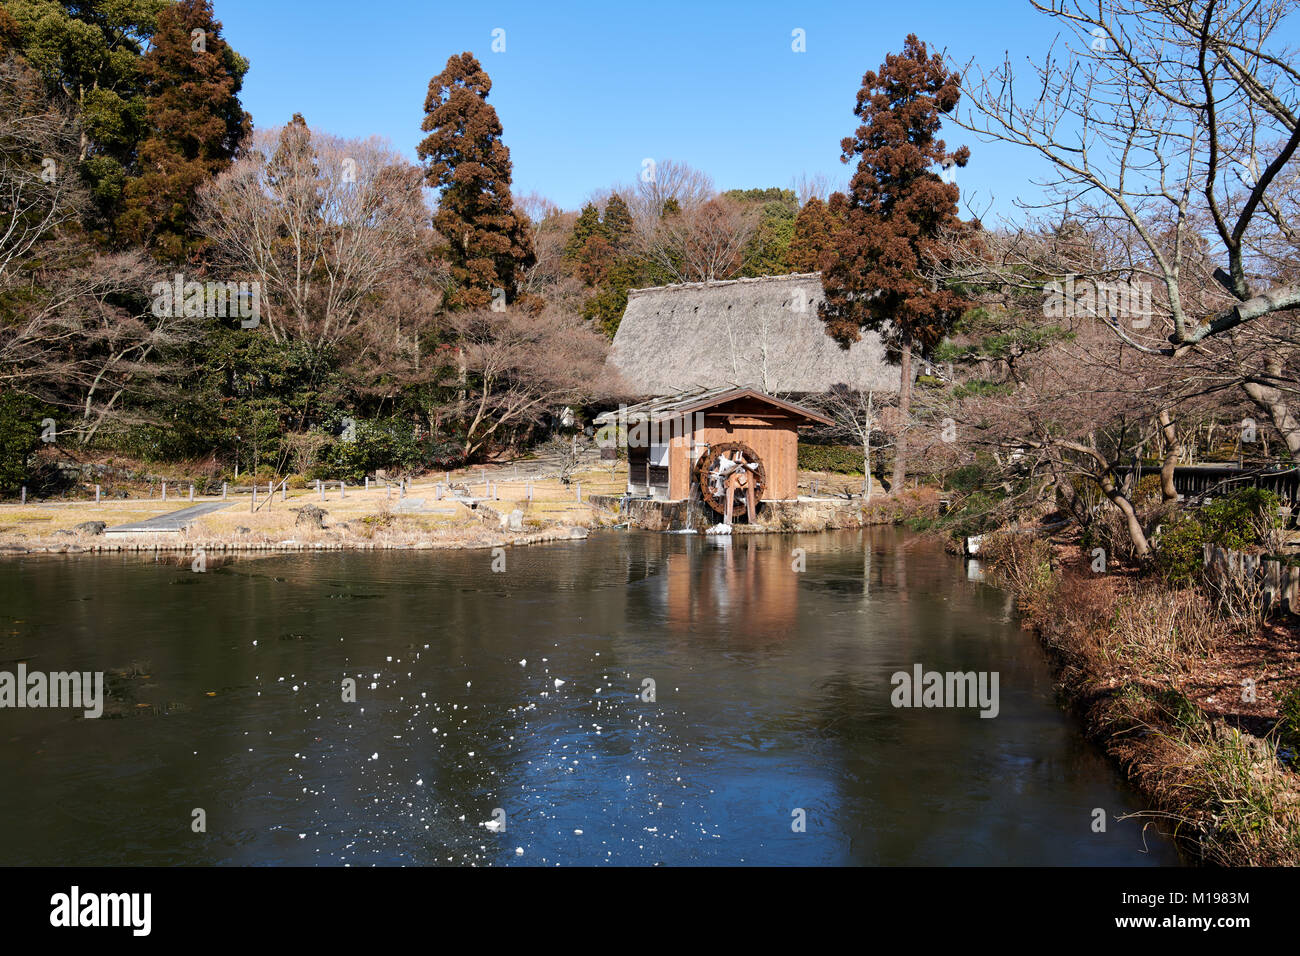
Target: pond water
[(522, 697)]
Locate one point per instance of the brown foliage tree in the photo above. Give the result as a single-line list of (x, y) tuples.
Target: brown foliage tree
[(814, 233), (196, 125), (489, 243), (898, 208)]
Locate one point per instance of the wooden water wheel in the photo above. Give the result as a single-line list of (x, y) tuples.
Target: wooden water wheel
[(733, 467)]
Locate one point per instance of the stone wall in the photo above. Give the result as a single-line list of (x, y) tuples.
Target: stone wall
[(818, 514)]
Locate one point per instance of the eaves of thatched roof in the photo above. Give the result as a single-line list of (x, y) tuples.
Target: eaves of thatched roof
[(761, 333)]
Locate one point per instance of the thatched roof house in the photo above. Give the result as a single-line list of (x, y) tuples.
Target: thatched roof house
[(761, 333)]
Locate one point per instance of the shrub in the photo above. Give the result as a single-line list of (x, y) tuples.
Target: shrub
[(381, 443), (1148, 491), (839, 459), (1240, 519), (1181, 551), (20, 433)]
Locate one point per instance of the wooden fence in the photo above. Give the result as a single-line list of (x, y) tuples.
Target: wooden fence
[(1278, 581), (1199, 481)]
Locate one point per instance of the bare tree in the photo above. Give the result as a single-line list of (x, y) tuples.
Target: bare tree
[(39, 188), (817, 186), (324, 224), (76, 331), (511, 367), (701, 243), (1174, 112), (664, 180), (858, 418)]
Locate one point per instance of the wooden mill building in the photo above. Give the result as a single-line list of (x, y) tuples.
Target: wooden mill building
[(711, 373), (668, 438)]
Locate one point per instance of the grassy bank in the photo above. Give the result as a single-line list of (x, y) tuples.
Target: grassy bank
[(378, 519), (1200, 710)]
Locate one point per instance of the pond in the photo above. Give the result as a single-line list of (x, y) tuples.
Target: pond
[(628, 699)]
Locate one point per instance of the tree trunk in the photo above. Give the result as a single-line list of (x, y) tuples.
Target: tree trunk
[(1167, 490), (1272, 401), (1117, 498), (866, 469), (904, 415)]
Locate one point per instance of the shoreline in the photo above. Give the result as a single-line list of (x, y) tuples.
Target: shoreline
[(1170, 716), (559, 533)]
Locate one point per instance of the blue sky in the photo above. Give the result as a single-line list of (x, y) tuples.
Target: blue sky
[(586, 91)]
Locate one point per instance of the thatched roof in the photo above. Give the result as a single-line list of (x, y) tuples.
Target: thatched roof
[(760, 333)]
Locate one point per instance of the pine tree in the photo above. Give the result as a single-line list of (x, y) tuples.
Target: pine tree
[(898, 207), (488, 243), (196, 125)]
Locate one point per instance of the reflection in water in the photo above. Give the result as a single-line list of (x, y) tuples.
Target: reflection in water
[(526, 692)]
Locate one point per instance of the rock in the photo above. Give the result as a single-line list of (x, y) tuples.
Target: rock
[(90, 527), (311, 516), (242, 530), (516, 519)]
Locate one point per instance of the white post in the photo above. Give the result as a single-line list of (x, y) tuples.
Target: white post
[(224, 490), (24, 495), (164, 497), (252, 505), (579, 491), (343, 489), (97, 494), (191, 492), (367, 482), (320, 486)]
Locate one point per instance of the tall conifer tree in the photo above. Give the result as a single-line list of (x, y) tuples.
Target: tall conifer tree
[(898, 208), (489, 244), (196, 125)]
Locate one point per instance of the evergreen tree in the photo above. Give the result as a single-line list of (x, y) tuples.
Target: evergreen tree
[(618, 223), (897, 208), (488, 243), (814, 235), (196, 124), (767, 253), (90, 52), (587, 226)]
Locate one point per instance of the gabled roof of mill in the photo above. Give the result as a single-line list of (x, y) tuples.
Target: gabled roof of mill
[(762, 333), (686, 403)]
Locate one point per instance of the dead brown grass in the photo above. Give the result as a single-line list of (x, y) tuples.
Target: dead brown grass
[(1156, 674)]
